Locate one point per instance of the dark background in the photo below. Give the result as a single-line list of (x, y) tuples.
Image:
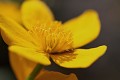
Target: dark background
[(108, 66)]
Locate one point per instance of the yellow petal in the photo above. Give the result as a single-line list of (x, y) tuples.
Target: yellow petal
[(14, 34), (23, 67), (85, 28), (80, 58), (30, 54), (10, 10), (52, 75), (35, 12)]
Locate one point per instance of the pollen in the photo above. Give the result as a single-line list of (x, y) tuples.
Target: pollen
[(52, 38)]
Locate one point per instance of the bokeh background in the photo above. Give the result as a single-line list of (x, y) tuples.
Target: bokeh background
[(108, 66)]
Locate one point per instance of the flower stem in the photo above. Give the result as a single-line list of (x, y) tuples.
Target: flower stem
[(35, 71)]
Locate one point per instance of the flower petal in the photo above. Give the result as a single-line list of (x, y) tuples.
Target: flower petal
[(80, 58), (14, 34), (85, 28), (34, 12), (30, 54), (10, 10), (23, 67), (52, 75)]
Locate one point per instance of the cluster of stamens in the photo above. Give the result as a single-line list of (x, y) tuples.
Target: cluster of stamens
[(52, 38)]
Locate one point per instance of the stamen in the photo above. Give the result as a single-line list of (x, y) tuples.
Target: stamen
[(52, 38)]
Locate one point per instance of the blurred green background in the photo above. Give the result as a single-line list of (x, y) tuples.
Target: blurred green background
[(108, 66)]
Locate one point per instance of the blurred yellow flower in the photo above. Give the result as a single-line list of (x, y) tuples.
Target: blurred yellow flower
[(41, 37)]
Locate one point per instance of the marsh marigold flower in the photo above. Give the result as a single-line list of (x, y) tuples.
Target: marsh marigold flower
[(41, 37)]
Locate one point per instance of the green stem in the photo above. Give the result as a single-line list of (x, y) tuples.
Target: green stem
[(35, 71)]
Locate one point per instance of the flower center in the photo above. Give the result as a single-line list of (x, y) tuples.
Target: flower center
[(52, 38)]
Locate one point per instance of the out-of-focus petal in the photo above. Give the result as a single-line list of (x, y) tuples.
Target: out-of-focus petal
[(21, 66), (52, 75), (34, 12), (10, 10)]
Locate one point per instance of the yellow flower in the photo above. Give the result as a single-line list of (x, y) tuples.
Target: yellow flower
[(41, 37)]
